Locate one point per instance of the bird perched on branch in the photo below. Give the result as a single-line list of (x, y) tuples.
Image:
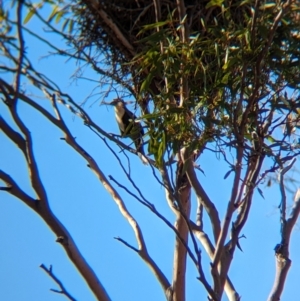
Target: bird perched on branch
[(129, 126)]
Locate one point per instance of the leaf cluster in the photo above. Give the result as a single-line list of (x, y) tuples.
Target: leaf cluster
[(235, 80)]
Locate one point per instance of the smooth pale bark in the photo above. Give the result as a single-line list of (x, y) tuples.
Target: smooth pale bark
[(180, 254)]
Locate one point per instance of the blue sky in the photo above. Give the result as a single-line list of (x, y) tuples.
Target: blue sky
[(87, 210)]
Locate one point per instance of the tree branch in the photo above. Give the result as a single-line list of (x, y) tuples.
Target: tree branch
[(224, 231), (62, 291), (204, 200), (184, 32), (15, 190), (283, 262), (41, 206), (13, 135), (109, 22), (21, 48)]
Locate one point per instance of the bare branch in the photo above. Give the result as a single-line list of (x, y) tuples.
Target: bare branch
[(283, 262), (13, 135), (124, 211), (70, 140), (62, 291), (204, 200), (184, 30), (282, 190), (143, 253), (21, 49), (230, 209), (294, 213), (127, 244), (123, 168), (36, 181), (197, 261), (183, 227), (63, 236), (81, 113), (210, 250), (16, 191), (180, 251), (168, 188), (142, 249), (41, 206)]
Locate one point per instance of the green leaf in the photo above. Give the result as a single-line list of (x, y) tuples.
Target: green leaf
[(146, 83), (268, 5), (71, 26), (214, 3), (154, 25), (29, 15), (59, 15), (232, 62), (161, 149), (152, 146), (53, 13), (225, 78), (32, 11), (151, 116), (271, 139), (66, 22), (154, 38), (245, 2)]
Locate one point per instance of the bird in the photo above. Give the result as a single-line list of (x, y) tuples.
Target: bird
[(129, 126)]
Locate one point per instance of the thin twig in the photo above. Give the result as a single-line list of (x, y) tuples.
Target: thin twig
[(62, 290), (282, 190), (127, 244), (153, 209), (21, 49), (283, 262)]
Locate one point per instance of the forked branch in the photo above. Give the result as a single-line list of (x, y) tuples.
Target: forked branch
[(62, 290), (283, 262)]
